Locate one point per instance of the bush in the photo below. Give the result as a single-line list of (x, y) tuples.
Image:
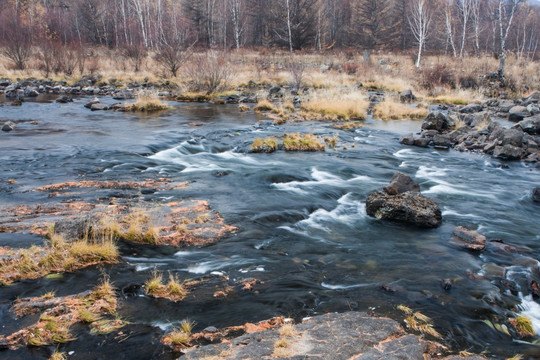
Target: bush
[(438, 75), (350, 68), (208, 72), (468, 81)]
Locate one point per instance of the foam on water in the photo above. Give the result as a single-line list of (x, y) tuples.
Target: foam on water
[(530, 309), (348, 212), (344, 287), (320, 179), (216, 265)]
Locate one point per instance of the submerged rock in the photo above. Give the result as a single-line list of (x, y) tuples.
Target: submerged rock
[(401, 183), (401, 201), (468, 239), (64, 99), (536, 194), (8, 126)]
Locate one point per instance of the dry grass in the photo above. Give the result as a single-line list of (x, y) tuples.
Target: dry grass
[(268, 145), (137, 226), (392, 109), (263, 106), (58, 355), (173, 290), (307, 142), (181, 335), (148, 102), (523, 325), (57, 256), (334, 105)]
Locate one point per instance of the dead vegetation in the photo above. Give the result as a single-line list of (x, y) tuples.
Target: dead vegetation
[(173, 289), (147, 103), (57, 256), (306, 142), (97, 308)]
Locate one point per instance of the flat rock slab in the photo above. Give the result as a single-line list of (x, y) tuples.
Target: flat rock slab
[(351, 335)]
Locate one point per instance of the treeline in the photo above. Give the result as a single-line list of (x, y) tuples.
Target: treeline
[(453, 27)]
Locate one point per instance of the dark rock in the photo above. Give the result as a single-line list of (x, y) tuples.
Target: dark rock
[(4, 344), (536, 194), (409, 208), (77, 228), (407, 96), (501, 247), (5, 82), (121, 107), (443, 141), (422, 142), (393, 288), (17, 102), (274, 90), (331, 337), (407, 139), (471, 108), (401, 183), (534, 96), (64, 99), (533, 109), (98, 107), (468, 239), (8, 126), (123, 95), (518, 113), (530, 125), (93, 101), (31, 92), (446, 284), (508, 152), (512, 137), (436, 121)]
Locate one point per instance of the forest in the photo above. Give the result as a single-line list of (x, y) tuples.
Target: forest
[(456, 28)]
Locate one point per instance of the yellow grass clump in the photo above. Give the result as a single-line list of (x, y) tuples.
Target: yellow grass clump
[(307, 142), (392, 109), (148, 102), (337, 106)]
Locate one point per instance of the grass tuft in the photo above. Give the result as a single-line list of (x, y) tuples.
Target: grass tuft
[(264, 106), (147, 102), (268, 145), (307, 142)]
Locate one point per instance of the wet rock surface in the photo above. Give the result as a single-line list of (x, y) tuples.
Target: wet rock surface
[(402, 202), (351, 335), (468, 239), (478, 132)]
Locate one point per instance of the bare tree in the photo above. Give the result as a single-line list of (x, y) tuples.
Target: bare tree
[(17, 41), (420, 21), (506, 10), (475, 18), (173, 55), (465, 9), (449, 27), (238, 18)]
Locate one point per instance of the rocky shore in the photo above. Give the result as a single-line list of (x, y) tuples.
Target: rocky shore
[(478, 128)]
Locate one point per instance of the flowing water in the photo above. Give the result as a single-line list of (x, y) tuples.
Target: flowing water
[(303, 228)]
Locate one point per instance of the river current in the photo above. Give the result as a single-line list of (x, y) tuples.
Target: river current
[(302, 225)]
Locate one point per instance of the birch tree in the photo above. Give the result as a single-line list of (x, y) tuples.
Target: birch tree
[(465, 9), (506, 10), (449, 29), (419, 22)]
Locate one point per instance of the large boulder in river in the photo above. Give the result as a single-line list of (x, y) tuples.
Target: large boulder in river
[(508, 152), (468, 239), (402, 202), (407, 96), (437, 121)]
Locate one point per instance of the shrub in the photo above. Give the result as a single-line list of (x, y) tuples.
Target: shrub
[(350, 68), (438, 75), (208, 72)]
